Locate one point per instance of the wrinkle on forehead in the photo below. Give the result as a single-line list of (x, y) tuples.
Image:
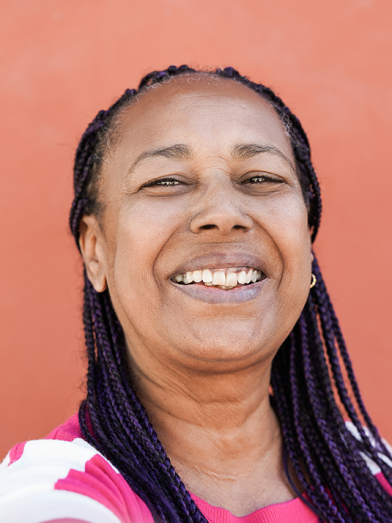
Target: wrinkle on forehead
[(183, 86), (147, 125), (179, 90), (200, 89)]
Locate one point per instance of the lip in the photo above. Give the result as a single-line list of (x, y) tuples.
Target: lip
[(219, 260), (216, 295)]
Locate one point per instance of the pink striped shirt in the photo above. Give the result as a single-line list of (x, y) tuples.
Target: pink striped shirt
[(63, 479)]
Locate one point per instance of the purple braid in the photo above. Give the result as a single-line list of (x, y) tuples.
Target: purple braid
[(307, 372), (341, 466)]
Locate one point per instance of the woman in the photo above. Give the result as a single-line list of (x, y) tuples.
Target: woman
[(214, 353)]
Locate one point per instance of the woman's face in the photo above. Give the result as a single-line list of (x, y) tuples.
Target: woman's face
[(200, 177)]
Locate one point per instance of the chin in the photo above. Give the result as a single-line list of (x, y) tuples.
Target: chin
[(229, 345)]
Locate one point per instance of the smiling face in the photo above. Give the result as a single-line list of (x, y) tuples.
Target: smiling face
[(203, 241)]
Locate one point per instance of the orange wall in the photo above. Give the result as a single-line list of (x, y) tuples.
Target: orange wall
[(63, 60)]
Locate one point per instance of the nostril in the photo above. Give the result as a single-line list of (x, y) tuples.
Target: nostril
[(208, 226)]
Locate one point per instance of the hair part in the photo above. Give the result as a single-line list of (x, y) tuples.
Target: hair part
[(307, 371)]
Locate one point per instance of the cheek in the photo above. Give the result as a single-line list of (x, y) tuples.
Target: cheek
[(291, 234), (141, 233), (284, 221), (288, 227)]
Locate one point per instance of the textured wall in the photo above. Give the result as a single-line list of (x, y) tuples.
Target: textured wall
[(63, 60)]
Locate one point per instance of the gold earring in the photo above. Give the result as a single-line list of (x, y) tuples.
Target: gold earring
[(313, 282)]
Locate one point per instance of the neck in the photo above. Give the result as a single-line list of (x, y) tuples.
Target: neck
[(220, 432)]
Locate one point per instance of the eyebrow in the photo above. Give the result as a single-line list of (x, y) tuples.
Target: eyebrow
[(177, 152), (238, 152), (248, 150)]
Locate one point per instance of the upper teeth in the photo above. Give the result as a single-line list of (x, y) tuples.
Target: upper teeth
[(226, 278)]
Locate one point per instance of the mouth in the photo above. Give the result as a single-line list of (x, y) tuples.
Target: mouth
[(225, 279)]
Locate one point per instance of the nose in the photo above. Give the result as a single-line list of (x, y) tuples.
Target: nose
[(220, 210)]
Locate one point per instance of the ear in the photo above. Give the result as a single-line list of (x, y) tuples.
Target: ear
[(91, 246)]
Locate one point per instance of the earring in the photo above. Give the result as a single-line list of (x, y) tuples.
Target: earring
[(313, 282)]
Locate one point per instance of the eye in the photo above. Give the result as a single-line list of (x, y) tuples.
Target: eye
[(261, 178), (163, 182)]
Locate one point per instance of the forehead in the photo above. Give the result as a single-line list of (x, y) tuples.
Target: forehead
[(200, 108)]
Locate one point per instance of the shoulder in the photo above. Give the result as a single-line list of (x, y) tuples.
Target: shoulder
[(64, 478)]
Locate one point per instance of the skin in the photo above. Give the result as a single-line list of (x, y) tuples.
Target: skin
[(202, 365)]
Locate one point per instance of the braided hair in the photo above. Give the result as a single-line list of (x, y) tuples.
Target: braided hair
[(313, 384)]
